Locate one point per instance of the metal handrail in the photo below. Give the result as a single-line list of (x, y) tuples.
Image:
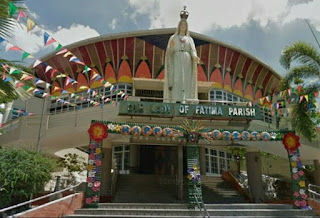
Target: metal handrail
[(313, 193), (37, 199), (201, 205)]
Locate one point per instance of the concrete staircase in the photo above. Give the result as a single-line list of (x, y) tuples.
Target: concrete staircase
[(140, 188), (181, 210), (216, 191)]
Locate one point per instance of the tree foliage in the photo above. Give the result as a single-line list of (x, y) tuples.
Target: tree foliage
[(302, 60), (6, 23), (22, 173)]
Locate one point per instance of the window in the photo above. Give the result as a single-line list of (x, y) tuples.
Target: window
[(217, 161), (221, 95), (82, 98), (121, 155)]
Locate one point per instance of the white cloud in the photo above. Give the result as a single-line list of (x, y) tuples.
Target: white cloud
[(113, 23), (74, 33), (32, 42), (308, 10), (206, 14)]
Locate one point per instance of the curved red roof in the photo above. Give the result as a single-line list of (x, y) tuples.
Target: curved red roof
[(120, 57)]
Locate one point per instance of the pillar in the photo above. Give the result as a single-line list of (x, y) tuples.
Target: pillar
[(134, 158), (202, 154), (106, 164), (180, 172), (316, 172), (254, 174)]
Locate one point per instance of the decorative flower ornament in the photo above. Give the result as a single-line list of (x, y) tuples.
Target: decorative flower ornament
[(111, 126), (302, 183), (88, 200), (296, 194), (98, 131), (194, 174), (294, 170), (291, 141)]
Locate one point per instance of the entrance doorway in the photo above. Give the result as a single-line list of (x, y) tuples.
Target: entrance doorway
[(217, 161), (121, 154), (160, 160)]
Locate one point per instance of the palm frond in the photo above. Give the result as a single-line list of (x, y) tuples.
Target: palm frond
[(301, 53), (7, 23), (302, 72)]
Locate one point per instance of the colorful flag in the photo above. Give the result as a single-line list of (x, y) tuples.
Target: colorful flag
[(14, 48), (67, 54), (48, 68), (36, 63), (12, 9), (1, 39), (58, 47), (19, 84), (25, 55), (26, 77), (30, 24), (62, 51), (21, 14), (45, 37)]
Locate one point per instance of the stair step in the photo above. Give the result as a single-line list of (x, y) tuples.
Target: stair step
[(187, 212)]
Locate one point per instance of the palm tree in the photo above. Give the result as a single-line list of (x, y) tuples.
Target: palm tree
[(302, 60), (8, 92), (306, 60)]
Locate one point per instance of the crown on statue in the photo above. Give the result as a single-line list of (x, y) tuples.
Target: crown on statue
[(184, 14)]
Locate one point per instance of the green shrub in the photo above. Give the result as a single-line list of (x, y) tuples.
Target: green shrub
[(22, 173)]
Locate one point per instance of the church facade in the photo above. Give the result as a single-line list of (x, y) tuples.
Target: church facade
[(228, 80)]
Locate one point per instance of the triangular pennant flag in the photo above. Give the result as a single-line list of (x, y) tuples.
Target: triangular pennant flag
[(48, 85), (39, 81), (50, 41), (48, 68), (64, 92), (68, 81), (25, 55), (30, 24), (58, 47), (14, 48), (3, 75), (12, 9), (45, 37), (26, 77), (316, 94), (301, 98), (56, 88), (21, 14), (19, 84), (72, 58), (7, 79), (44, 95), (289, 92), (86, 69), (293, 90), (12, 69), (107, 84), (67, 54), (53, 72), (299, 88), (1, 39), (62, 51), (306, 97), (36, 63)]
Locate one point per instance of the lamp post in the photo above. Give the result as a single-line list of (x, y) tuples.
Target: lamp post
[(41, 121)]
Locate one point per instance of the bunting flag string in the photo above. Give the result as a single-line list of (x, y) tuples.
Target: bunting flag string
[(47, 41)]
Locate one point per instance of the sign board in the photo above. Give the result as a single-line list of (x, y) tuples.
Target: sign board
[(157, 109)]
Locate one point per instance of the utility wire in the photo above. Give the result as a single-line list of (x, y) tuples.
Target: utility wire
[(314, 35)]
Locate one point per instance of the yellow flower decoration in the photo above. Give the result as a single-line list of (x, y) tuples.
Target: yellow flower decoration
[(302, 184), (90, 167), (195, 167), (117, 128), (189, 177), (98, 150), (294, 164)]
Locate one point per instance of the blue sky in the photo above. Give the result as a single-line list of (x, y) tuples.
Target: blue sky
[(260, 27)]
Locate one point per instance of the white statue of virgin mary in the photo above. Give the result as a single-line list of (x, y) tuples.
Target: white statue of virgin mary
[(181, 65)]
